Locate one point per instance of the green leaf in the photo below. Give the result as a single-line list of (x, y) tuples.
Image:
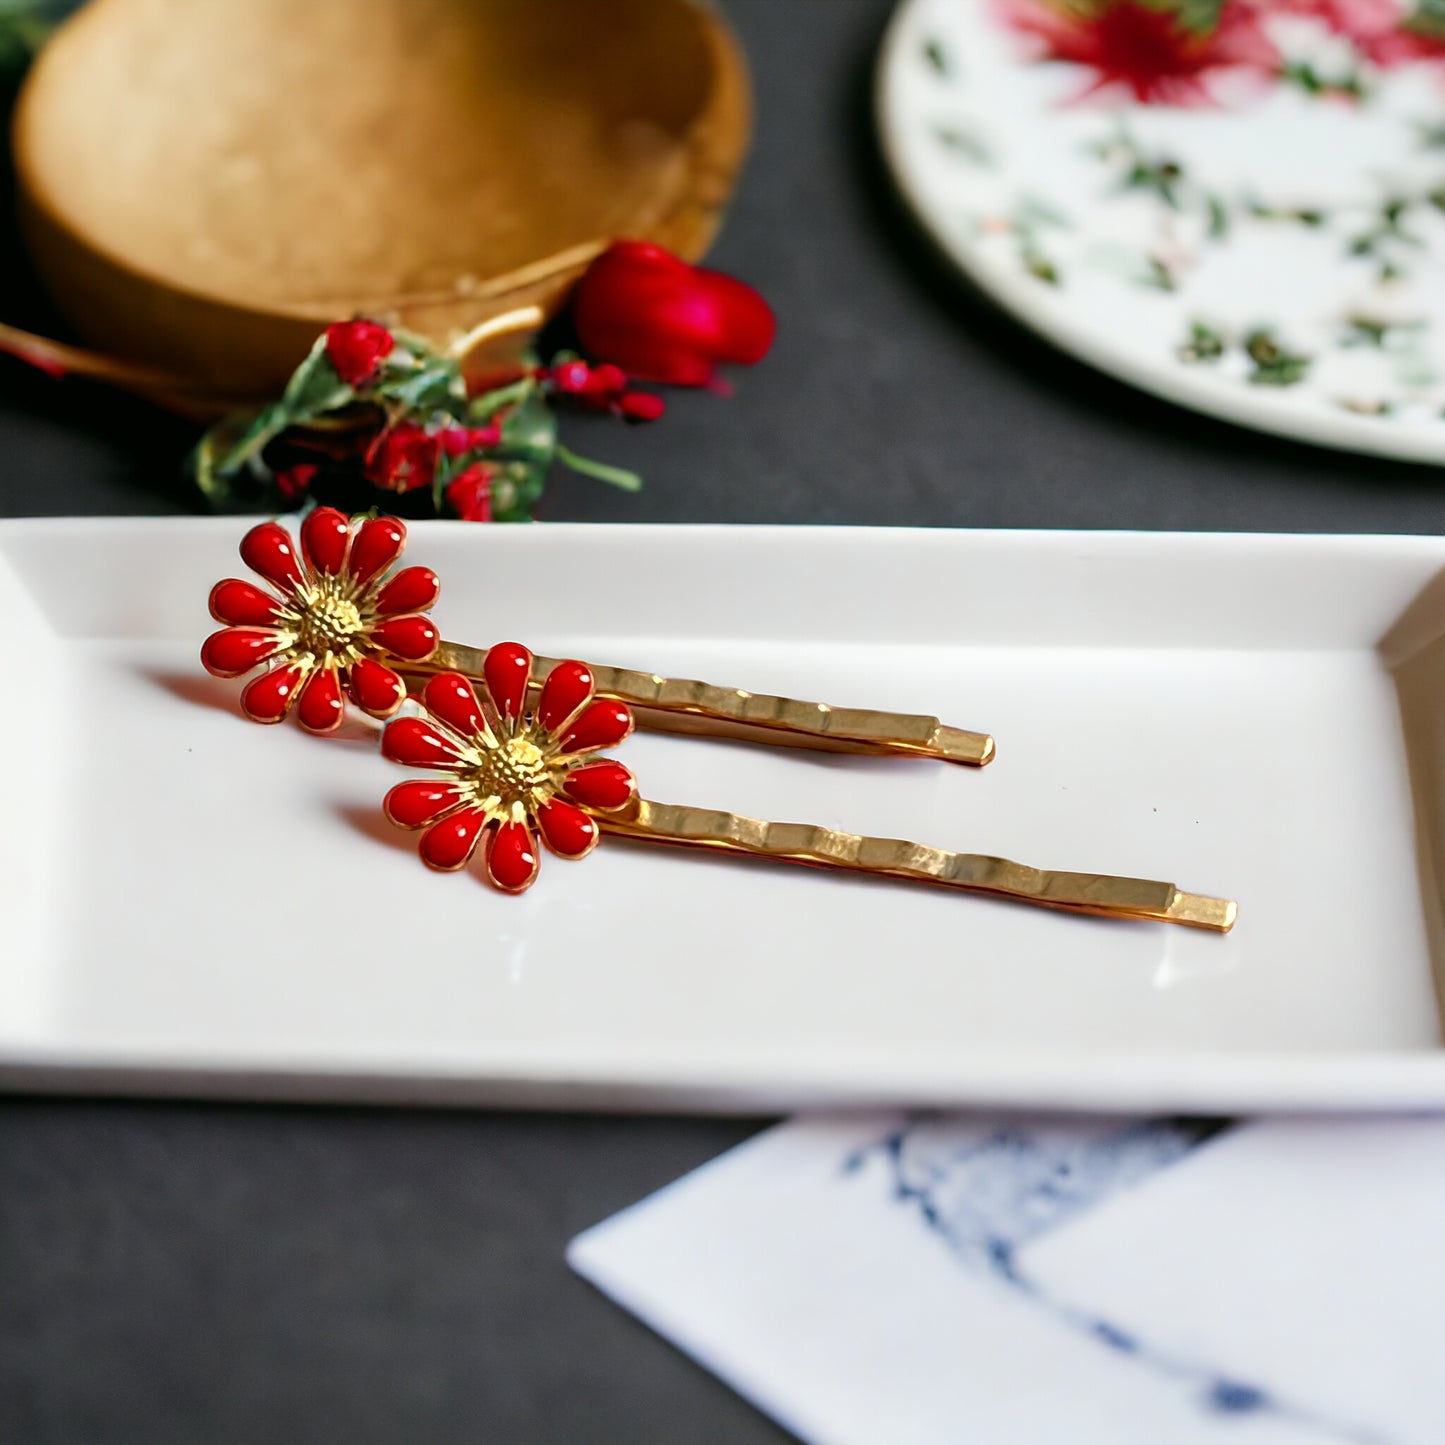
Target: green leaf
[(1204, 344), (530, 428), (618, 477), (437, 383), (963, 143), (1273, 365), (314, 386), (484, 407), (517, 490), (232, 443)]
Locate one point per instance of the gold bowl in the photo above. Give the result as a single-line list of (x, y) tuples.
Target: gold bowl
[(204, 184)]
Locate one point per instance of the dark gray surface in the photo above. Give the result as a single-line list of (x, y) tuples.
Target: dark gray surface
[(175, 1273)]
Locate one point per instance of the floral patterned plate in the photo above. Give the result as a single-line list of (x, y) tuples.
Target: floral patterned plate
[(1236, 204)]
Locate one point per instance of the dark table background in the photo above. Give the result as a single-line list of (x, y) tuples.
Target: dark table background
[(175, 1272)]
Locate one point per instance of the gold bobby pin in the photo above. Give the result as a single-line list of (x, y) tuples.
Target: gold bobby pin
[(519, 769), (341, 623), (679, 705)]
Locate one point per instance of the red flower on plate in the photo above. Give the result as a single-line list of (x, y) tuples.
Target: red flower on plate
[(651, 313), (1143, 48), (512, 774), (1388, 32), (337, 624)]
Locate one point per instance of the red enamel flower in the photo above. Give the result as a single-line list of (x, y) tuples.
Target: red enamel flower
[(337, 623), (512, 774), (1145, 48)]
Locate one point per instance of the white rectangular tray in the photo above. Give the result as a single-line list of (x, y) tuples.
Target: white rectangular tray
[(192, 904)]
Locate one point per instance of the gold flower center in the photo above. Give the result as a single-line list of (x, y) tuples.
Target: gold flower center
[(515, 771), (329, 622)]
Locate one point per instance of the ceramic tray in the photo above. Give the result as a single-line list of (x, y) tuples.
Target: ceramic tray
[(193, 904), (1250, 222)]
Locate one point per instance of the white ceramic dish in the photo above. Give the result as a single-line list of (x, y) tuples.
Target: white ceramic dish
[(195, 904), (1303, 232)]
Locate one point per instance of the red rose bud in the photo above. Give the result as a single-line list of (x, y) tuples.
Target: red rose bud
[(357, 348), (292, 483), (640, 406), (663, 320), (455, 440), (469, 494), (571, 377), (402, 458)]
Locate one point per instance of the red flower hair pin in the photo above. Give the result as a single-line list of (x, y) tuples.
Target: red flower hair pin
[(337, 623), (516, 775), (340, 625)]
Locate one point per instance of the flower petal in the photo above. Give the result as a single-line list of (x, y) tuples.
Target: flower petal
[(605, 785), (235, 650), (378, 544), (413, 589), (450, 699), (269, 550), (322, 706), (268, 698), (243, 605), (507, 668), (421, 801), (413, 637), (603, 725), (375, 688), (324, 535), (512, 857), (567, 690), (566, 829), (417, 744), (448, 844)]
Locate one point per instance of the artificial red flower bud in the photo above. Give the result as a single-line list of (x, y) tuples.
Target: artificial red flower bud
[(571, 377), (455, 440), (640, 406), (357, 348), (663, 320), (469, 493), (402, 458), (292, 483)]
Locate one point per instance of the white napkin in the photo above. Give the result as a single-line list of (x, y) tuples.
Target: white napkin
[(1043, 1282)]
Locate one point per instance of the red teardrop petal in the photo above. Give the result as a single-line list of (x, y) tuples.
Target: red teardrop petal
[(375, 688), (448, 844), (269, 550), (603, 725), (268, 698), (322, 706), (419, 802), (566, 829), (450, 699), (324, 535), (507, 668), (242, 604), (235, 650), (417, 744), (512, 857), (378, 544), (413, 589), (414, 638), (568, 689), (604, 785)]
